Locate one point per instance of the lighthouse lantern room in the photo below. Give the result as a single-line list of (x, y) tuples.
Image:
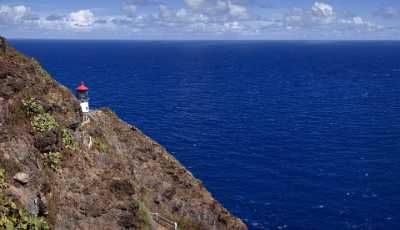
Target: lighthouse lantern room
[(83, 96)]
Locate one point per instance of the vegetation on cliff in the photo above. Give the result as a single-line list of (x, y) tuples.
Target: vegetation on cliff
[(104, 174), (12, 217)]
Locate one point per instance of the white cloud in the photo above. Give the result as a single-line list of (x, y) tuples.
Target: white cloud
[(20, 11), (319, 14), (221, 5), (321, 9), (11, 15), (359, 23), (195, 4), (199, 18), (228, 16), (237, 11), (388, 12), (165, 12), (82, 19), (324, 16), (54, 17), (202, 17), (182, 13), (130, 10), (233, 26), (356, 21), (221, 8)]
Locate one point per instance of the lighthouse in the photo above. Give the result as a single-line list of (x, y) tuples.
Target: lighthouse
[(83, 96)]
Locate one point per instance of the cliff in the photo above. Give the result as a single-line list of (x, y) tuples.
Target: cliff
[(59, 173)]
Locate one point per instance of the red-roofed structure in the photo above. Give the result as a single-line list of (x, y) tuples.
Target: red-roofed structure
[(83, 97), (82, 87)]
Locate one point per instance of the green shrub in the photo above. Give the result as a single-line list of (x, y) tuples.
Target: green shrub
[(99, 145), (147, 190), (54, 160), (41, 121), (11, 217), (145, 214), (68, 140), (32, 106), (44, 122), (3, 184)]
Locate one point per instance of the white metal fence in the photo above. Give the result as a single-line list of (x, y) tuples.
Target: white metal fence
[(164, 221)]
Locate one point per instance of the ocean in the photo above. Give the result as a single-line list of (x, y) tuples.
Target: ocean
[(287, 135)]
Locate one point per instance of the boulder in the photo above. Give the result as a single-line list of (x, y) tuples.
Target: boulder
[(48, 141), (21, 177)]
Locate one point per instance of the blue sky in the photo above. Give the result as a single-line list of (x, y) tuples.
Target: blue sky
[(201, 19)]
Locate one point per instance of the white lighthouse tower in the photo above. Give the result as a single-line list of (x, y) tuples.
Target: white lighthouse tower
[(83, 96)]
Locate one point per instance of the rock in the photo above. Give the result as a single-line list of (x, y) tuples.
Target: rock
[(3, 75), (72, 124), (21, 177), (10, 85), (42, 203), (33, 205), (122, 187), (126, 220), (48, 141), (169, 194), (3, 134), (18, 84)]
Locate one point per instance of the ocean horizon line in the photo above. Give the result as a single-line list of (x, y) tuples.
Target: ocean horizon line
[(207, 40)]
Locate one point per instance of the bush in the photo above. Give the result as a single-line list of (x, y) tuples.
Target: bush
[(44, 122), (100, 145), (32, 106), (11, 217), (41, 121), (145, 215), (68, 140), (54, 160), (3, 184)]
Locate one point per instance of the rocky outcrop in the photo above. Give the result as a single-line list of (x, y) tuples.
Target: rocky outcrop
[(104, 174)]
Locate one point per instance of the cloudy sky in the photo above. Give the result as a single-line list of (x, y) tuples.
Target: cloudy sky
[(201, 19)]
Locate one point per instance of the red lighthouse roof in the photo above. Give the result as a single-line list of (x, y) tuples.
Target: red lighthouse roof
[(82, 87)]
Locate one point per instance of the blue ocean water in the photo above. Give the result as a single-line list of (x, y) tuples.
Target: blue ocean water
[(287, 135)]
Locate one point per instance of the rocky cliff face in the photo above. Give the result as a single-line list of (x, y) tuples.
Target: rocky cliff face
[(103, 174)]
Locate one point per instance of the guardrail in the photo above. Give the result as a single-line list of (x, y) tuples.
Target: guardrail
[(164, 221)]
